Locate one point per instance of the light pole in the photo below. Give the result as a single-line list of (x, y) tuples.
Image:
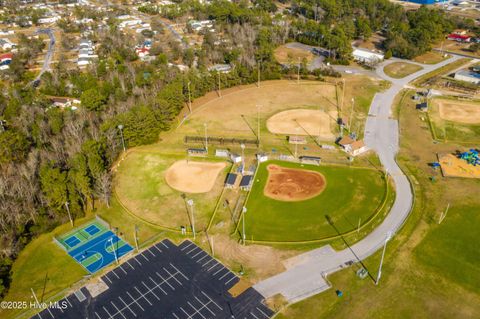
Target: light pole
[(120, 127), (258, 74), (242, 146), (351, 116), (191, 205), (189, 97), (68, 211), (206, 136), (135, 234), (258, 124), (113, 248), (387, 238), (244, 237)]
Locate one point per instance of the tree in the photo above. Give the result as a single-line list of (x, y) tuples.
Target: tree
[(14, 146), (93, 100), (53, 183)]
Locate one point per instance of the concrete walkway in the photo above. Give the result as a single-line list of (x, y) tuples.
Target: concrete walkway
[(307, 278)]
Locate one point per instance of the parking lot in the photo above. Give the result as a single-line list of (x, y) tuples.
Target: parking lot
[(165, 281)]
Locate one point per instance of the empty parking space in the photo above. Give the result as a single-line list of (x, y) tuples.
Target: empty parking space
[(165, 281)]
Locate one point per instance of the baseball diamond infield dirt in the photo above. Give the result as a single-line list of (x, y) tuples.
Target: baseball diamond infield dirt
[(302, 122), (291, 184), (193, 177), (467, 112)]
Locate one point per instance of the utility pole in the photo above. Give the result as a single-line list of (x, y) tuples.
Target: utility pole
[(298, 72), (189, 97), (191, 204), (258, 74), (258, 124), (120, 127), (343, 94), (351, 116), (206, 136), (387, 238), (135, 234), (243, 225), (68, 211)]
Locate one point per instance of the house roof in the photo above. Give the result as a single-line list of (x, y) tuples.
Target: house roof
[(6, 56), (346, 140), (357, 145), (458, 36), (468, 73)]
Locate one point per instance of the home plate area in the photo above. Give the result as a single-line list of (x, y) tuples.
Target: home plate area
[(165, 281)]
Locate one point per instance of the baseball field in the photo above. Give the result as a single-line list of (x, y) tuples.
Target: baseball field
[(294, 207)]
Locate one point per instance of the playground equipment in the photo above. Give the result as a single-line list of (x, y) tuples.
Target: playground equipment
[(471, 157)]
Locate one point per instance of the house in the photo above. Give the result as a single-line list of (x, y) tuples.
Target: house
[(6, 44), (310, 160), (142, 52), (246, 182), (222, 153), (6, 57), (422, 106), (262, 157), (467, 76), (64, 102), (230, 180), (83, 61), (369, 57), (221, 68), (197, 151), (235, 158), (352, 146), (297, 140), (459, 37)]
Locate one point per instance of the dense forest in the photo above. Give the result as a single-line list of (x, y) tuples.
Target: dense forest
[(54, 161)]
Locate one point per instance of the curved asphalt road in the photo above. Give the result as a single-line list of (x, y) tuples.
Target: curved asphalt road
[(48, 55), (307, 276)]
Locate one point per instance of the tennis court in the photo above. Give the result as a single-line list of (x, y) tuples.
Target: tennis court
[(94, 245)]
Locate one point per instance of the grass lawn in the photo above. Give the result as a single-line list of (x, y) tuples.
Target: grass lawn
[(440, 249), (421, 81), (431, 57), (398, 70), (350, 194), (430, 270), (141, 187)]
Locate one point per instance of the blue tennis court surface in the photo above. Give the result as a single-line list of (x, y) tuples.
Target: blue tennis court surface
[(94, 246)]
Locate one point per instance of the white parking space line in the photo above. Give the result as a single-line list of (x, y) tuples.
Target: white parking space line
[(177, 317), (106, 277), (164, 244), (201, 251), (201, 302), (185, 312), (130, 265), (206, 255), (142, 295), (254, 315), (150, 251), (109, 315), (230, 279), (215, 273), (68, 302), (173, 276), (150, 290), (98, 316), (123, 270), (263, 313), (186, 246), (143, 255), (135, 301), (212, 300), (165, 280), (209, 261), (208, 270), (178, 271), (193, 249), (224, 275), (159, 287), (196, 310), (118, 310), (158, 249), (137, 261), (113, 272), (127, 306)]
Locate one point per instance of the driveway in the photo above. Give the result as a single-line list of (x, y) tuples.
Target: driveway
[(308, 277)]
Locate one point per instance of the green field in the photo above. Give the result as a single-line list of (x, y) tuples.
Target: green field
[(351, 194), (142, 189), (398, 70)]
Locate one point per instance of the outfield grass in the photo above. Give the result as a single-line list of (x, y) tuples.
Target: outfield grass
[(142, 189), (454, 254), (350, 194), (398, 70), (430, 270)]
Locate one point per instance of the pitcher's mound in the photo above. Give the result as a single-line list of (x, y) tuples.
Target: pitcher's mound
[(290, 184), (302, 122), (193, 177)]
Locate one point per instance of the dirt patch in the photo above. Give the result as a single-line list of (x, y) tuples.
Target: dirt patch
[(286, 55), (459, 111), (456, 167), (302, 122), (193, 177), (292, 185)]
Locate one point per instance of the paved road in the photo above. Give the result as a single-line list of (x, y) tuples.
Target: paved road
[(49, 55), (307, 278)]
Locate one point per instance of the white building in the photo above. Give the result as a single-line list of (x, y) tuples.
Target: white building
[(222, 68), (467, 76), (368, 57), (6, 44)]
